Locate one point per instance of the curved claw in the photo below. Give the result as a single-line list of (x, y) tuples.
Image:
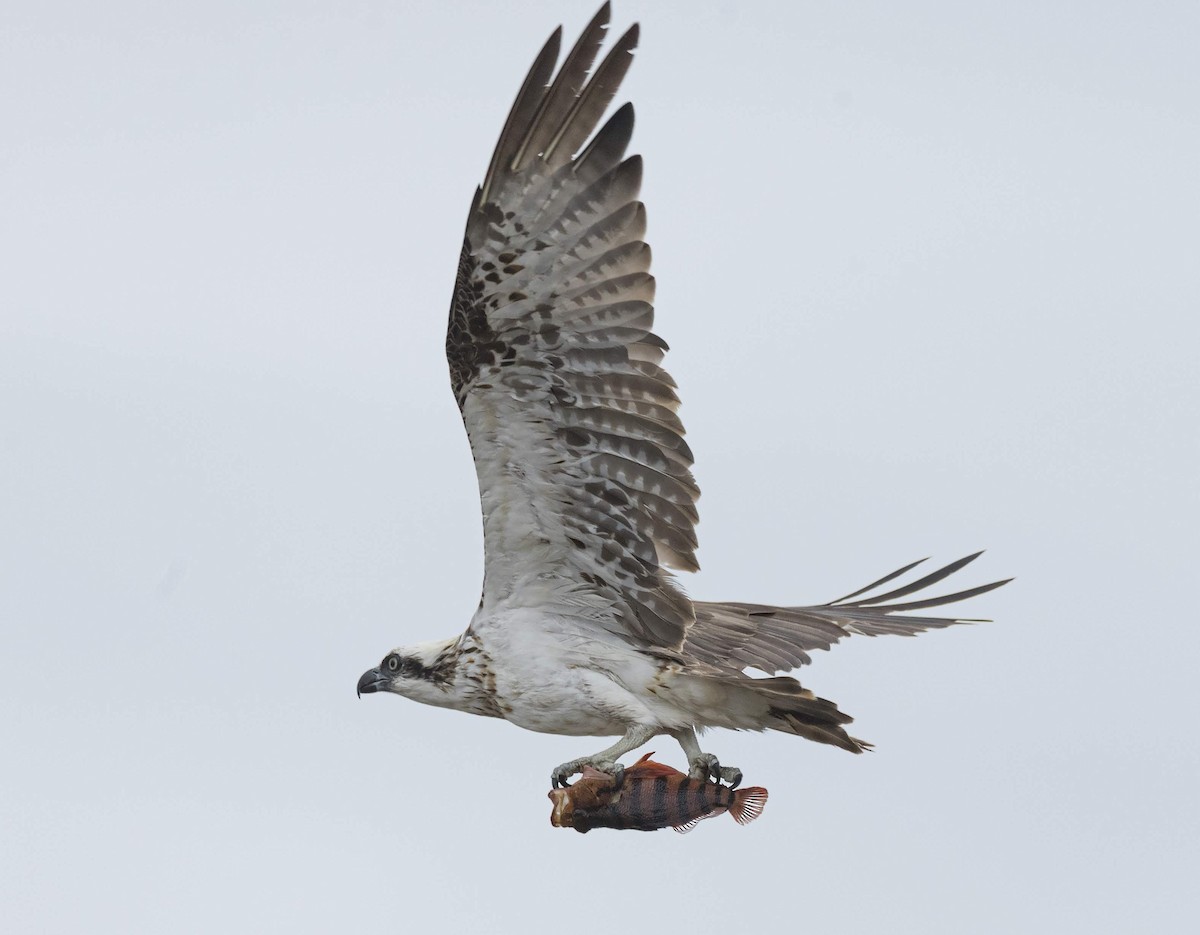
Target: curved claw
[(703, 766), (618, 775), (706, 766), (560, 775)]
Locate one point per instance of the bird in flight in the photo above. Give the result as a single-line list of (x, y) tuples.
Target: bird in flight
[(584, 477)]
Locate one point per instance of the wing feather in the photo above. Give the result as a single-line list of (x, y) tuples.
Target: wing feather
[(585, 479), (568, 84), (525, 107), (593, 100)]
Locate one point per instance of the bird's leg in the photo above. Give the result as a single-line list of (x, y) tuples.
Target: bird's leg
[(605, 760), (704, 765)]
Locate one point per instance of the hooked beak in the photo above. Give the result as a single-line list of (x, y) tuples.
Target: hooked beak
[(372, 681)]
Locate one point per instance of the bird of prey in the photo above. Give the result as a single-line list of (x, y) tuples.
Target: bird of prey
[(587, 495)]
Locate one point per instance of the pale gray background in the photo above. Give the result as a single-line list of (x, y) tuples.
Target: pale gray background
[(930, 276)]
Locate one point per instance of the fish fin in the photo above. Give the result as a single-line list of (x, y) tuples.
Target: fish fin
[(590, 772), (689, 825), (748, 804), (646, 767), (642, 760)]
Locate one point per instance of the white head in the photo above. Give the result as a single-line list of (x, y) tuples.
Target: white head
[(424, 672)]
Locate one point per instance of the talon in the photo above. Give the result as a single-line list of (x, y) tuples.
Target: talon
[(558, 778), (706, 767), (703, 767)]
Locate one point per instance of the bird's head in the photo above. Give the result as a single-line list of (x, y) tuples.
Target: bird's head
[(421, 672)]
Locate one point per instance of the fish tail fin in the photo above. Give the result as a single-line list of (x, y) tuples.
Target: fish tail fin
[(748, 804)]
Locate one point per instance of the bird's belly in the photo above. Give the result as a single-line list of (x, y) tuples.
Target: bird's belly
[(562, 717), (568, 701), (546, 684)]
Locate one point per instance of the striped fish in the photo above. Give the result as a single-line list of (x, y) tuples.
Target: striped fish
[(650, 796)]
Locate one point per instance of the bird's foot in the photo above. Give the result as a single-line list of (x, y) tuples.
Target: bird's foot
[(705, 766), (560, 775)]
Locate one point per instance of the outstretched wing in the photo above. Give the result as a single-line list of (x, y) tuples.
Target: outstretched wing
[(583, 471), (776, 639)]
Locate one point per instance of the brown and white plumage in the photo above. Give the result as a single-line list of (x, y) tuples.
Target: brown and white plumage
[(585, 478), (552, 360)]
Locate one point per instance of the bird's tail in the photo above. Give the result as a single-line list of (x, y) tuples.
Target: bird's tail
[(795, 710), (779, 703)]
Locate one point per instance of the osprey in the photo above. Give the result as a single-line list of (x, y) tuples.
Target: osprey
[(584, 477)]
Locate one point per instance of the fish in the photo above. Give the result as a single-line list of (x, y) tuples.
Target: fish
[(647, 797)]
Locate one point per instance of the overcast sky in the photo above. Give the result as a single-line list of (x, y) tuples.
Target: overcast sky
[(930, 273)]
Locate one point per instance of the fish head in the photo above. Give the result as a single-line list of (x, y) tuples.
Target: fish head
[(594, 790), (563, 810)]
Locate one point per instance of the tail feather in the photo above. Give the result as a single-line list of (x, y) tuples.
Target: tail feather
[(803, 725), (794, 709), (737, 701)]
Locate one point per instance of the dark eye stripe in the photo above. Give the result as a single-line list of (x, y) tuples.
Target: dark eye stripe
[(410, 667)]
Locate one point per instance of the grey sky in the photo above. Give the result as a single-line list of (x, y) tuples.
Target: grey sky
[(929, 274)]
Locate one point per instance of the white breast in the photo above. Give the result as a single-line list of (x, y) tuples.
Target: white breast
[(559, 675)]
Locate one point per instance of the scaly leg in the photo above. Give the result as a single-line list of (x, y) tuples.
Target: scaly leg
[(704, 765), (605, 760)]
